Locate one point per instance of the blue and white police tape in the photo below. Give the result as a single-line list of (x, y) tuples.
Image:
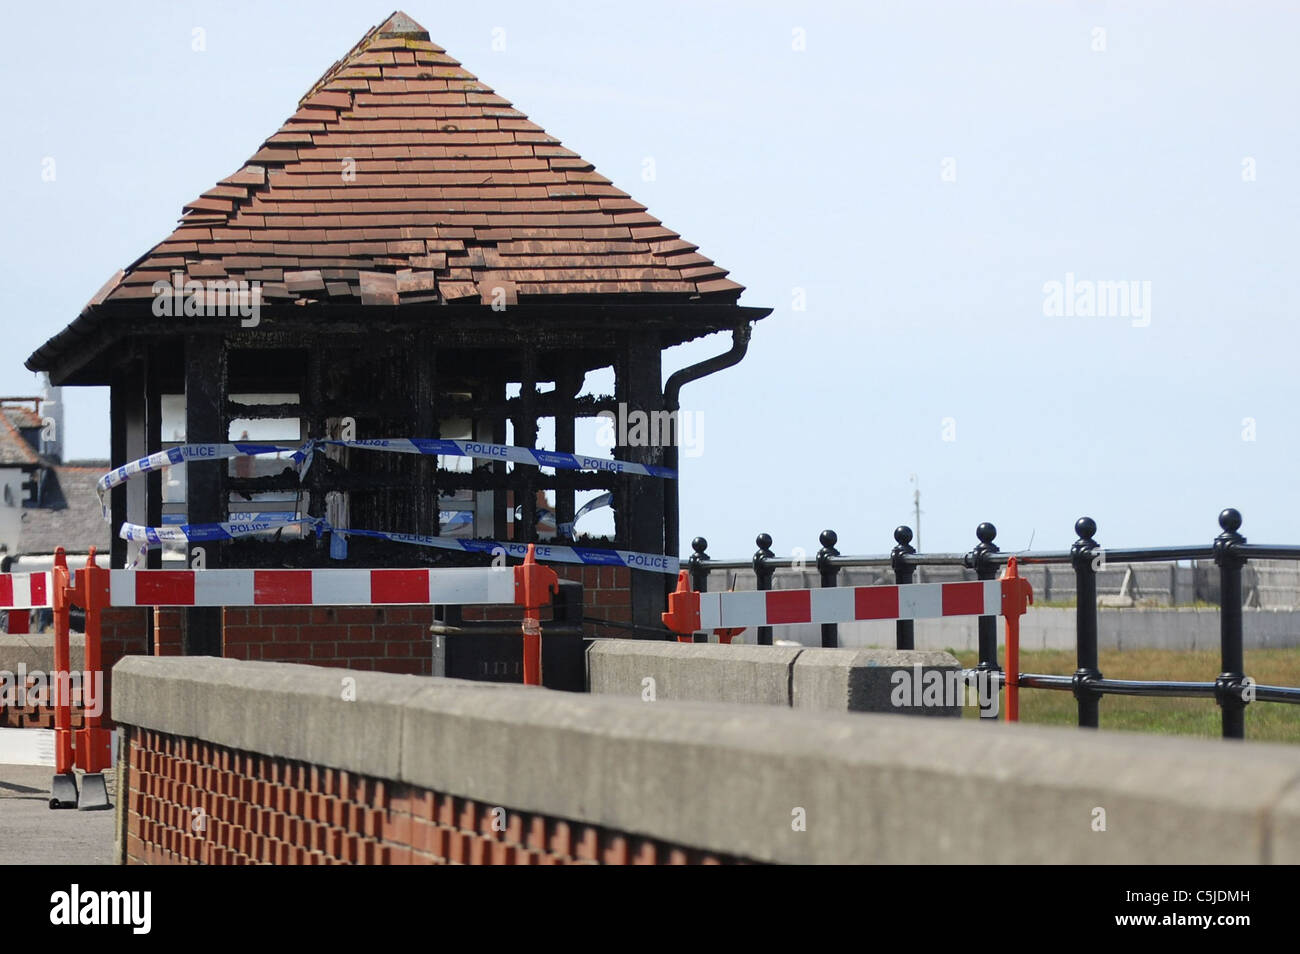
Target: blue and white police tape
[(587, 556), (240, 525), (455, 518), (247, 524), (595, 503), (174, 519), (507, 452), (183, 454), (207, 532), (303, 456)]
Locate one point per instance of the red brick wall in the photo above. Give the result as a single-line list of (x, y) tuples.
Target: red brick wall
[(606, 594), (33, 716), (123, 631), (385, 639), (193, 802), (168, 624), (380, 638)]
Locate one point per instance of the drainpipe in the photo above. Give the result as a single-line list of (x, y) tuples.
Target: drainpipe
[(672, 396)]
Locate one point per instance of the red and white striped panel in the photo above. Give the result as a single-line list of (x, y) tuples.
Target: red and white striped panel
[(334, 587), (850, 604), (26, 590)]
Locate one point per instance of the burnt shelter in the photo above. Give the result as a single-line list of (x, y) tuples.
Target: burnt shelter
[(407, 256)]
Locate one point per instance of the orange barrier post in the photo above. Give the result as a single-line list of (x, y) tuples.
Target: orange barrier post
[(534, 585), (63, 788), (94, 742), (683, 616), (1017, 595)]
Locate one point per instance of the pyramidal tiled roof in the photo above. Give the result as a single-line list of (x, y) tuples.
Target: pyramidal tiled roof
[(403, 178)]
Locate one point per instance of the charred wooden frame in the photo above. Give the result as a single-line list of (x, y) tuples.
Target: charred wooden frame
[(394, 377)]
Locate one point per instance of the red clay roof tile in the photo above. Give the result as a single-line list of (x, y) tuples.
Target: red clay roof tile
[(401, 167)]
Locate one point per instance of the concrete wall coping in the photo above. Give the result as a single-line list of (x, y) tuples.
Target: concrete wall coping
[(673, 649), (730, 778), (708, 672), (868, 657), (36, 651), (832, 680)]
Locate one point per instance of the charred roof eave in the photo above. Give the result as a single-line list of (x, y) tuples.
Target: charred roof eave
[(84, 353)]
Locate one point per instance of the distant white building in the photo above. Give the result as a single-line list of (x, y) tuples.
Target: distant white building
[(45, 503)]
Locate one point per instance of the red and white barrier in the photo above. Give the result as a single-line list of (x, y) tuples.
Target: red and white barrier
[(329, 587), (94, 588), (849, 604), (727, 614), (26, 591)]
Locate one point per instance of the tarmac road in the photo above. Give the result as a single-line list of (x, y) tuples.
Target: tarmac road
[(32, 834)]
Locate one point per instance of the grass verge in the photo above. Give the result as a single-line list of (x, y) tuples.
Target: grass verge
[(1265, 721)]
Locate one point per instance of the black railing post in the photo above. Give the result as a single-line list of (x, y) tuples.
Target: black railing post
[(905, 629), (829, 574), (698, 563), (1083, 556), (981, 561), (763, 576), (1228, 688)]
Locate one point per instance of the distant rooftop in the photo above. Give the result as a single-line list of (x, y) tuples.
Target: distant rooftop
[(71, 516), (21, 416), (14, 449)]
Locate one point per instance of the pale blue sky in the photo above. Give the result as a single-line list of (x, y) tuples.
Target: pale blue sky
[(818, 170)]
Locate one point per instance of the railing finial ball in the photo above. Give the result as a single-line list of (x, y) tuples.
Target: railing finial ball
[(1085, 527), (764, 541), (699, 544), (828, 539), (986, 532), (903, 535), (1230, 520)]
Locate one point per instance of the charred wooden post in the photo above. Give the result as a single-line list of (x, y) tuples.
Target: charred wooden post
[(425, 406), (119, 400), (205, 422), (500, 494), (638, 383), (526, 436), (315, 427), (153, 443), (568, 383)]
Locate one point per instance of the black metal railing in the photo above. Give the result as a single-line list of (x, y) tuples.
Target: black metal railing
[(1233, 690)]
